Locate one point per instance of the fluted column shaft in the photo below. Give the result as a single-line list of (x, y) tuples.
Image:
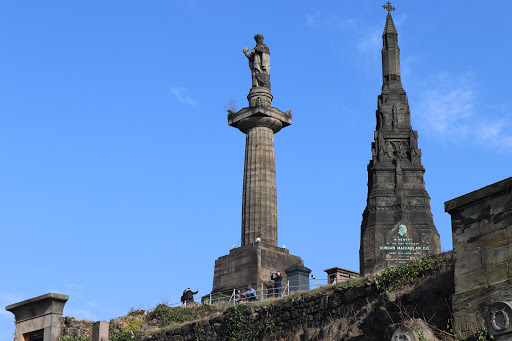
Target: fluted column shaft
[(259, 203)]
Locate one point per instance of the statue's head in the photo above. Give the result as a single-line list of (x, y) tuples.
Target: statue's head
[(258, 38)]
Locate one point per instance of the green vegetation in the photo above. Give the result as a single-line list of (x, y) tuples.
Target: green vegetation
[(239, 319), (238, 326), (125, 335), (421, 336), (198, 333), (136, 312), (480, 335), (78, 337), (167, 315), (134, 325), (131, 332), (394, 278)]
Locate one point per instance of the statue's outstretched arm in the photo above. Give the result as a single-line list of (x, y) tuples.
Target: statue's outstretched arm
[(246, 49)]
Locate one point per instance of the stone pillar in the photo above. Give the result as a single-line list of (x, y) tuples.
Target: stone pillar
[(38, 318), (100, 331), (298, 277)]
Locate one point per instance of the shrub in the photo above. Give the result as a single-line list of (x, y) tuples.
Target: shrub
[(125, 335), (75, 337), (166, 315), (136, 312), (394, 278), (131, 332)]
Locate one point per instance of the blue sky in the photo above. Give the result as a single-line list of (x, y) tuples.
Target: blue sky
[(122, 182)]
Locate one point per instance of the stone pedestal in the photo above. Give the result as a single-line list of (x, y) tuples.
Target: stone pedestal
[(39, 318), (100, 331), (298, 277), (251, 265)]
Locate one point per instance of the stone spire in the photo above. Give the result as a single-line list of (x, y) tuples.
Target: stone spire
[(390, 52), (397, 222)]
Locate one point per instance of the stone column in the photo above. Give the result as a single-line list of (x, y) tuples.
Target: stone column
[(253, 262), (259, 203)]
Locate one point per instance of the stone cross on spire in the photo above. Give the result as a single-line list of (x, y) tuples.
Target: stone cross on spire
[(388, 7)]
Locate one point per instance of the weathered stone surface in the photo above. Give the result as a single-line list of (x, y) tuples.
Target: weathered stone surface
[(298, 277), (404, 333), (469, 263), (71, 326), (39, 316), (499, 319), (259, 62), (481, 223), (100, 331), (251, 264), (397, 198)]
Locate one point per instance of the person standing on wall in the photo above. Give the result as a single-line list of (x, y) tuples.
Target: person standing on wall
[(277, 278), (188, 296)]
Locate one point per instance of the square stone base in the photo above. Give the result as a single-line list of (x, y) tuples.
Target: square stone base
[(251, 265)]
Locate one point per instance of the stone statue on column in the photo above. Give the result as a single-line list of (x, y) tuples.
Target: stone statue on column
[(252, 263), (259, 62)]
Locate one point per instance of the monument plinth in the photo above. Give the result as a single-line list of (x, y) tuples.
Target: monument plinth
[(258, 255), (397, 224)]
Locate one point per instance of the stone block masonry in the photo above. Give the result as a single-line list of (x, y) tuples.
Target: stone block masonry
[(397, 224), (100, 331), (38, 318), (331, 313), (482, 243)]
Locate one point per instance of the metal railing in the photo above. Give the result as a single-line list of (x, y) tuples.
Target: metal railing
[(262, 293)]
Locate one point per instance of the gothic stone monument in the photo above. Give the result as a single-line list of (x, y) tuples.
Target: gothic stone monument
[(397, 224), (258, 255)]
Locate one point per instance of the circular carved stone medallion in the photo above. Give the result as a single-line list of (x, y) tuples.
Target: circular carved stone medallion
[(499, 316), (403, 333)]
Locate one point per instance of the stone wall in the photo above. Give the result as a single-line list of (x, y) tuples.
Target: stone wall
[(482, 245), (354, 313)]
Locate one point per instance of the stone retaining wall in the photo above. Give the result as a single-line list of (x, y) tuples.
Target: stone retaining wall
[(355, 313)]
